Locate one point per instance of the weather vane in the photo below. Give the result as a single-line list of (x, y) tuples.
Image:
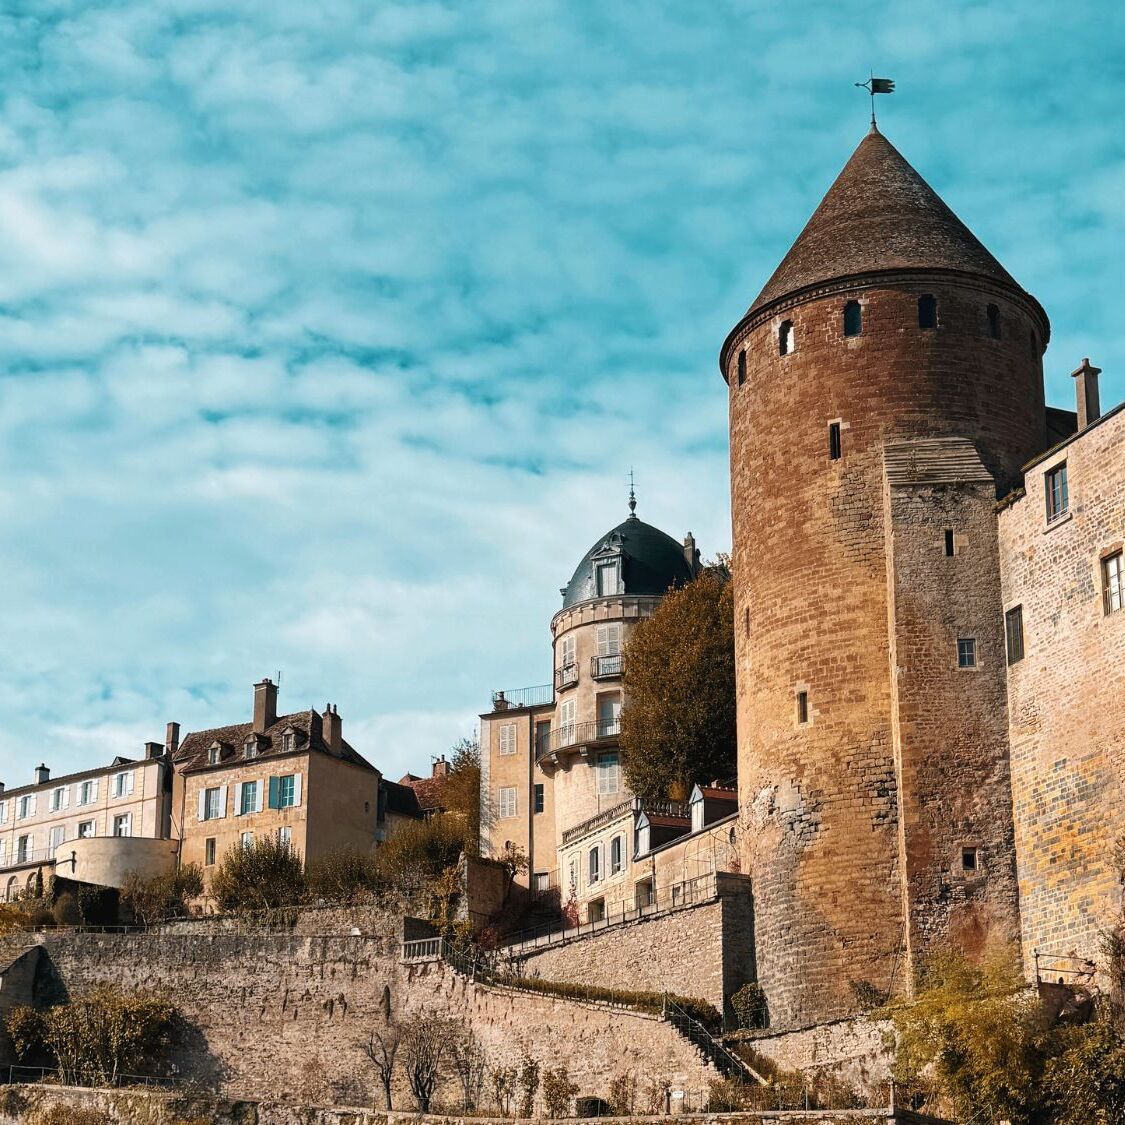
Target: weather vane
[(632, 495), (875, 86)]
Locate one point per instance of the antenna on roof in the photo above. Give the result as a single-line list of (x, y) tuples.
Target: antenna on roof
[(279, 679), (632, 496)]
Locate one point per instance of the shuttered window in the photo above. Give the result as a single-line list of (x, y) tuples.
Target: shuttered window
[(507, 802), (507, 738)]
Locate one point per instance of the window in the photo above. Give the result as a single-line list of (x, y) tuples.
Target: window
[(213, 755), (949, 543), (86, 830), (1013, 634), (968, 859), (966, 652), (644, 894), (741, 367), (609, 639), (594, 865), (616, 855), (802, 706), (1058, 493), (572, 871), (595, 911), (609, 774), (568, 709), (606, 575), (250, 750), (507, 802), (288, 742), (853, 319), (122, 825), (542, 882), (23, 849), (543, 736), (1113, 589), (248, 800), (26, 807), (285, 836), (58, 799), (285, 791), (212, 803), (538, 798), (566, 650), (209, 851), (786, 338), (507, 738), (746, 620), (87, 792), (123, 784), (247, 840), (57, 839), (993, 315), (927, 311), (609, 715), (834, 448)]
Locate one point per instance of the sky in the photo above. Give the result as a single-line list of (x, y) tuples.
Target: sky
[(330, 331)]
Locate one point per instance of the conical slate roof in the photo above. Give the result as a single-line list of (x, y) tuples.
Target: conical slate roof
[(879, 215)]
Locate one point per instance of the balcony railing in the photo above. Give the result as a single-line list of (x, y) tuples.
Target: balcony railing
[(634, 804), (18, 859), (566, 676), (512, 699), (607, 667), (576, 734)]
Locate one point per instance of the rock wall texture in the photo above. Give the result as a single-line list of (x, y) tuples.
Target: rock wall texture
[(705, 951), (253, 999), (1067, 695)]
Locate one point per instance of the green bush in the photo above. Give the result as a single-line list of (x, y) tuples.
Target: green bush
[(749, 1004), (558, 1091), (348, 875), (66, 911), (159, 898), (421, 850), (263, 875)]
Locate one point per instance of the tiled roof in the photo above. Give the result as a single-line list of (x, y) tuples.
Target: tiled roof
[(401, 799), (717, 793), (193, 751), (879, 215), (118, 763), (430, 792)]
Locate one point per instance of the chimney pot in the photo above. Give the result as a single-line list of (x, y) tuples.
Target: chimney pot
[(332, 728), (172, 738), (1086, 392), (265, 705), (153, 749), (441, 767), (1, 787), (42, 774)]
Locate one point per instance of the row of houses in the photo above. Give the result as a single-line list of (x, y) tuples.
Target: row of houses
[(293, 778)]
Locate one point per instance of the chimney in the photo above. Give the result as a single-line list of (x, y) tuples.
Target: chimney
[(171, 738), (690, 553), (1086, 391), (265, 705), (153, 750), (441, 767), (331, 727), (1, 788), (42, 775)]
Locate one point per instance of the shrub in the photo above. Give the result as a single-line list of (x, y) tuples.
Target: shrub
[(421, 850), (264, 875), (348, 875), (66, 912), (158, 898), (749, 1004), (529, 1084), (558, 1091), (623, 1095)]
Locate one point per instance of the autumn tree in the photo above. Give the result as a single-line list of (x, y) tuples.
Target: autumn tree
[(678, 723), (462, 790), (262, 875)]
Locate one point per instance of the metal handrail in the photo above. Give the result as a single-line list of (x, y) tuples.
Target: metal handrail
[(512, 699), (37, 855), (736, 1068), (75, 1078), (607, 667), (634, 804), (576, 734), (566, 676)]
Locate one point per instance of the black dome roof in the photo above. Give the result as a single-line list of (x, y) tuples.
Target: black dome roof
[(651, 562)]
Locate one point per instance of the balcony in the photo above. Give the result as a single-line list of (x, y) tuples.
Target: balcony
[(576, 736), (566, 676), (632, 805), (607, 667), (513, 699), (21, 857)]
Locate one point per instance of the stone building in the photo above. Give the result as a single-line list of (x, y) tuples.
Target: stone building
[(293, 778), (89, 826), (890, 373)]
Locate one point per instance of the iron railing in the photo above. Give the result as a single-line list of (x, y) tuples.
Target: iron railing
[(34, 855), (566, 676), (40, 1074), (633, 804), (728, 1064), (512, 699), (607, 667), (576, 734), (1053, 969)]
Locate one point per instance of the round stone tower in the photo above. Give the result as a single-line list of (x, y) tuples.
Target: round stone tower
[(884, 387)]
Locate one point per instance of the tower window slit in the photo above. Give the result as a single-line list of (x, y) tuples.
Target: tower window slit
[(949, 542), (853, 319), (993, 314), (786, 338), (742, 367), (834, 447), (802, 706), (927, 311)]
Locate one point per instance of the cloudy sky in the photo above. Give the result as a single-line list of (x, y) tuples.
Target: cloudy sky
[(329, 331)]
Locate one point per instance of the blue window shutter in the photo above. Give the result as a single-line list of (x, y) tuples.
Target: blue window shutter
[(274, 801)]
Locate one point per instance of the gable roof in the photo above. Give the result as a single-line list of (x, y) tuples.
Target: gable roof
[(193, 751), (430, 792), (401, 799)]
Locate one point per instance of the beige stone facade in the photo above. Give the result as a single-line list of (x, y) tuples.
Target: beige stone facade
[(1067, 692), (127, 798)]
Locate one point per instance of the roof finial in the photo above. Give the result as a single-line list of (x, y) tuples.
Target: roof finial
[(876, 86), (632, 497)]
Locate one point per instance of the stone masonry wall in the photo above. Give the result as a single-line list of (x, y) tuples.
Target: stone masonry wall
[(1067, 696), (253, 999)]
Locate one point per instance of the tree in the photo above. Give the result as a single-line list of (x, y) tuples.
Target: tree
[(422, 1049), (156, 898), (558, 1091), (678, 723), (462, 790), (382, 1050), (263, 875), (346, 875), (468, 1059)]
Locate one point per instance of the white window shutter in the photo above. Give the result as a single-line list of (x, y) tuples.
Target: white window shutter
[(34, 803), (296, 789), (3, 812), (260, 795), (94, 789), (129, 784), (203, 804), (238, 798), (66, 797), (222, 800)]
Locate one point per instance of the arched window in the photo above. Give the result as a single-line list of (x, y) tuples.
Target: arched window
[(786, 338), (742, 367), (927, 311), (853, 319), (993, 314)]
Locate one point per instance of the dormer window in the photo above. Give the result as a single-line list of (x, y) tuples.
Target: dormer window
[(607, 576), (250, 750), (214, 753), (288, 742)]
